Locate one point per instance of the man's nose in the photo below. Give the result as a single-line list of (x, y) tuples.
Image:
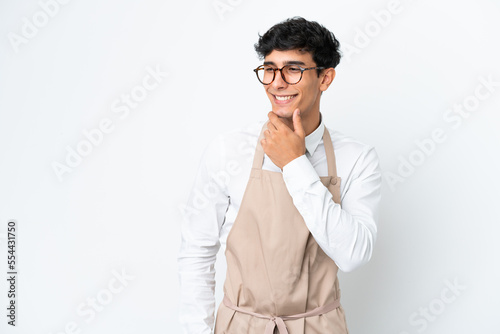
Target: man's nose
[(278, 81)]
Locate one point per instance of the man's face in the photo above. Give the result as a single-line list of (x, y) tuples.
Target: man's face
[(305, 95)]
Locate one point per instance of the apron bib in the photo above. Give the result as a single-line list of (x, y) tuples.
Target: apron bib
[(278, 279)]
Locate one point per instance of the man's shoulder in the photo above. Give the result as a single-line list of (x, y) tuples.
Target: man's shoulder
[(235, 141), (247, 129), (352, 151), (243, 133), (342, 141)]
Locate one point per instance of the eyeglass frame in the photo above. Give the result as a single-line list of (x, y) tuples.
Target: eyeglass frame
[(302, 69)]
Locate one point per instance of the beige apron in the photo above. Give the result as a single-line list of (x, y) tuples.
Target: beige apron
[(278, 279)]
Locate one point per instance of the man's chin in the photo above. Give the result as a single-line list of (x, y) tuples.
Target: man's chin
[(283, 113)]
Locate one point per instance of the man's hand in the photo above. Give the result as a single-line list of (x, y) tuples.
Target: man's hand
[(280, 143)]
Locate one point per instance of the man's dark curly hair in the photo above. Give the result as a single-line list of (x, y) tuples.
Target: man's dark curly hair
[(298, 33)]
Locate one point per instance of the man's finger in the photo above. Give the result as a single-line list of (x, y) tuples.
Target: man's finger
[(297, 123), (276, 121)]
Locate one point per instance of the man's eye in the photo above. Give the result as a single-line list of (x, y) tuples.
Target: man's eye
[(269, 69), (294, 69)]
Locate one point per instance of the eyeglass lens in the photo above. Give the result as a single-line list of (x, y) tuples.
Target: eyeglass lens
[(291, 73)]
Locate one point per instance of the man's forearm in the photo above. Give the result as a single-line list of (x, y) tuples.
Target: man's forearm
[(346, 233), (197, 289)]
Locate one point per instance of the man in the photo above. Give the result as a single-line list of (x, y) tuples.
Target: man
[(271, 194)]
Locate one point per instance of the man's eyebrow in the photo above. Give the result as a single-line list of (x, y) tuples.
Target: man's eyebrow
[(286, 62)]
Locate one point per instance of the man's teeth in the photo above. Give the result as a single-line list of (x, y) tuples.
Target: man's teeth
[(284, 98)]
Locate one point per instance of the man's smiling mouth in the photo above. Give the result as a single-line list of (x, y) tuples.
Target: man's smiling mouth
[(283, 98)]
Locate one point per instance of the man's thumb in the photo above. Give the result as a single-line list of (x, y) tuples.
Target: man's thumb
[(297, 123)]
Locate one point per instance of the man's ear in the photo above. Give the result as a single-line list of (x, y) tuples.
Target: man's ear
[(327, 78)]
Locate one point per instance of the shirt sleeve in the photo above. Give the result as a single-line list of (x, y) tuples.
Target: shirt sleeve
[(347, 232), (203, 216)]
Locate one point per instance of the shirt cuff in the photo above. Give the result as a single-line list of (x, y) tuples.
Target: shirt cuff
[(299, 174)]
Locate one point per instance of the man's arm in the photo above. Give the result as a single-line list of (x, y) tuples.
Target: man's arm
[(346, 233), (203, 217)]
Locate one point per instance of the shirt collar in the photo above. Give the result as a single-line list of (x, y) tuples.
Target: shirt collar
[(314, 138)]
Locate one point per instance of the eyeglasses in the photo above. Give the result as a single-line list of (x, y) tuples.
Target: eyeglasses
[(291, 74)]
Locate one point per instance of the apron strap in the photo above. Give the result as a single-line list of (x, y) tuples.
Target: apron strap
[(259, 151), (279, 321), (330, 154)]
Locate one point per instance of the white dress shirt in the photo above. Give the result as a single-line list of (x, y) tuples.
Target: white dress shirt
[(345, 232)]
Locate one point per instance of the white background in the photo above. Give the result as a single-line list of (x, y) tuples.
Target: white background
[(119, 207)]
